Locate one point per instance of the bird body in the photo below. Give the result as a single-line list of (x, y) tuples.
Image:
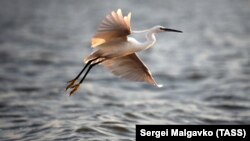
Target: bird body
[(118, 48), (116, 51)]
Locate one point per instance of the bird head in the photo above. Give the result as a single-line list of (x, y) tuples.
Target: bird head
[(159, 29)]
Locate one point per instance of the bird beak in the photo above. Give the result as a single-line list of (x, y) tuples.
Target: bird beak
[(170, 30)]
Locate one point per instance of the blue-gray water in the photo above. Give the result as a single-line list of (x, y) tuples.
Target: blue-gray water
[(205, 70)]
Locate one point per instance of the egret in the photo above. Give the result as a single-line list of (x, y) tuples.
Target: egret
[(117, 52)]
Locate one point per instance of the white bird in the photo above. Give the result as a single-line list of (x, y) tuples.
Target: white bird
[(117, 52)]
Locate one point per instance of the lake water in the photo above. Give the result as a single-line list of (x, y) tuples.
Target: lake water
[(205, 70)]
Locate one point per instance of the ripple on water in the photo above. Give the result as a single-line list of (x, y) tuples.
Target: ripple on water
[(111, 122), (92, 132), (117, 129), (6, 115), (42, 62), (225, 97), (112, 104), (195, 76), (133, 116), (88, 130), (230, 106), (27, 89), (208, 120)]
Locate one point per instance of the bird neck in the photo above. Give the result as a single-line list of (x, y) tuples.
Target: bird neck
[(150, 36), (150, 40)]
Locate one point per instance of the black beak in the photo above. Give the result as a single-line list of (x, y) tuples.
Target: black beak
[(170, 30)]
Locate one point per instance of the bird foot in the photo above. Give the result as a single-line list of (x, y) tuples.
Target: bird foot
[(70, 84), (74, 89)]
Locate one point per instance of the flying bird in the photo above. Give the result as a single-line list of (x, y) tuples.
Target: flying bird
[(116, 51)]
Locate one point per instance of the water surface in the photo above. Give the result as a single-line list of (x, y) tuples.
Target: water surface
[(205, 71)]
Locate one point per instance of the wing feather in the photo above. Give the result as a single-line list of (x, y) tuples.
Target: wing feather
[(130, 67), (113, 27)]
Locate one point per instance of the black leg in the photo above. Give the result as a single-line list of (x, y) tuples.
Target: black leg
[(75, 87), (72, 82), (90, 67), (82, 71)]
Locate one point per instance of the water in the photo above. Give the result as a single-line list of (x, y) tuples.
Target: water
[(205, 71)]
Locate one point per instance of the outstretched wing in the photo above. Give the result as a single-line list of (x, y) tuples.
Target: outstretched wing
[(130, 67), (113, 27)]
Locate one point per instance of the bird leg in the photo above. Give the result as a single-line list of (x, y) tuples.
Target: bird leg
[(72, 82), (76, 86), (74, 89)]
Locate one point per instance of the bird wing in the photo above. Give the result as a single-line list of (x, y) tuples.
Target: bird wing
[(112, 27), (130, 67)]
